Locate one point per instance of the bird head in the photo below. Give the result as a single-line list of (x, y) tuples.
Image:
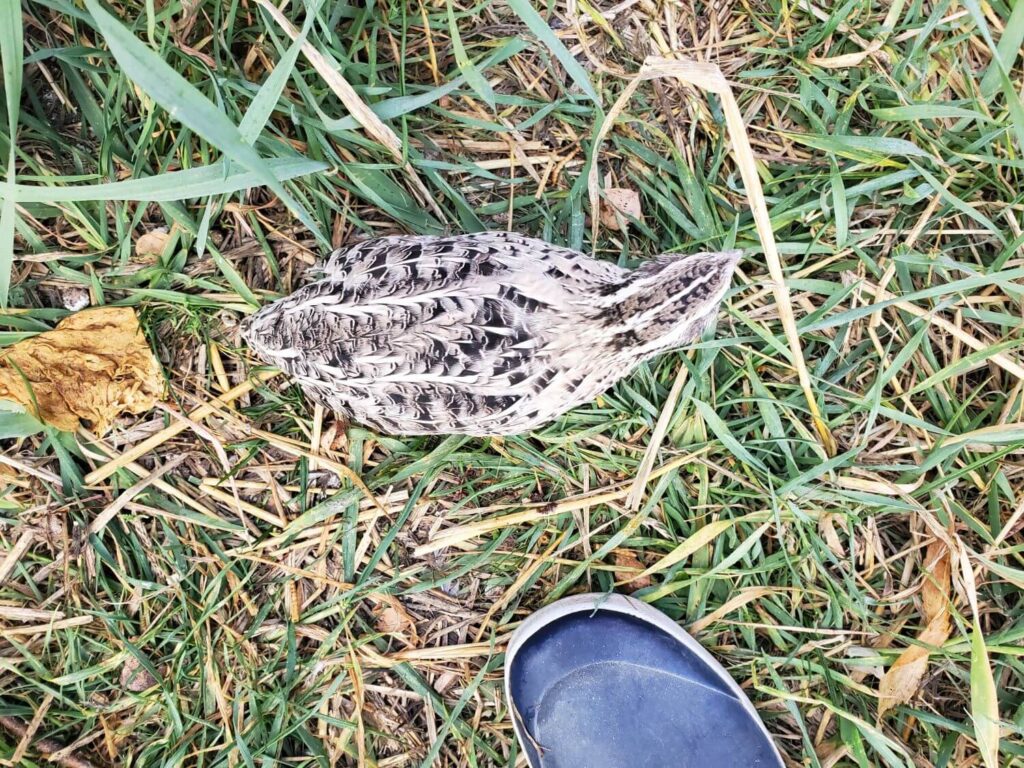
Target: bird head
[(668, 302)]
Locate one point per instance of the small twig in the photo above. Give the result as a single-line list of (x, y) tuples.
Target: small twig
[(42, 474), (30, 730), (45, 747), (14, 554)]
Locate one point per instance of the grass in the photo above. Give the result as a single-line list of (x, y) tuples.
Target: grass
[(287, 618)]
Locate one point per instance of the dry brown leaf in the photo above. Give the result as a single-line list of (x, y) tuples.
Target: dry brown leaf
[(903, 678), (152, 243), (183, 25), (627, 566), (744, 596), (393, 619), (827, 528), (334, 438), (621, 201), (135, 677), (94, 366), (936, 588), (880, 486)]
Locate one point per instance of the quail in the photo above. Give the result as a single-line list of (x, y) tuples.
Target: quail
[(484, 334)]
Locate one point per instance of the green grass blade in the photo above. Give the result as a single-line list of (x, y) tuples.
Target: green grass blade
[(18, 425), (266, 98), (984, 702), (7, 216), (840, 207), (12, 52), (960, 205), (525, 11), (1002, 68), (912, 112), (186, 103), (1007, 51), (469, 71), (864, 149), (15, 422), (723, 433), (177, 185)]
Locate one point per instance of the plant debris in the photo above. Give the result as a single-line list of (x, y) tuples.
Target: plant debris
[(904, 677), (617, 205), (94, 366)]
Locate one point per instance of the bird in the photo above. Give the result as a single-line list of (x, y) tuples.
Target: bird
[(484, 334)]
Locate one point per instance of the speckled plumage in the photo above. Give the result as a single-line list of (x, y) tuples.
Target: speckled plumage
[(483, 334)]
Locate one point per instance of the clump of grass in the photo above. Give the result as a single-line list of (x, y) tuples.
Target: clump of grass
[(299, 591)]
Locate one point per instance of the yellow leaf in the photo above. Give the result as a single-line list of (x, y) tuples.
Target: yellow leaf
[(94, 366), (745, 596)]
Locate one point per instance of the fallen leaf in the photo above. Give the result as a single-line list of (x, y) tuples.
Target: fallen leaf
[(135, 677), (627, 568), (334, 438), (827, 528), (152, 243), (445, 681), (902, 680), (393, 619), (183, 25), (936, 587), (94, 366), (625, 202)]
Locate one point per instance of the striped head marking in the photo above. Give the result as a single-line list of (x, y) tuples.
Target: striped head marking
[(669, 301)]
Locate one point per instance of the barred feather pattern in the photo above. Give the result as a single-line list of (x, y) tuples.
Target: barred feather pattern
[(483, 334)]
